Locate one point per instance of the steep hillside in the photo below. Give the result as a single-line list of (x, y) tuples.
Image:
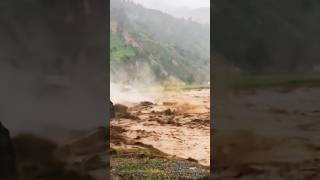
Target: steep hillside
[(173, 49)]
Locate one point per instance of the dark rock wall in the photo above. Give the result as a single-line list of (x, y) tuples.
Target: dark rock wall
[(7, 154)]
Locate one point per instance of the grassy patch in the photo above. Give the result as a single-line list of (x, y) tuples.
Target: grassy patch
[(144, 164)]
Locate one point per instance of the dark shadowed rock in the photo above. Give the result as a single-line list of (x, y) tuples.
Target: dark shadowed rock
[(7, 154), (112, 111), (119, 108)]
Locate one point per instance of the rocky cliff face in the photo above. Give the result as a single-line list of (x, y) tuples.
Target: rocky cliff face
[(7, 154)]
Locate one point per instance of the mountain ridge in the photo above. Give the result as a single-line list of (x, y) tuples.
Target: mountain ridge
[(173, 48)]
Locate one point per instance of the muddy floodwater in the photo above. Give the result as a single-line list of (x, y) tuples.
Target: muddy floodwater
[(268, 132), (176, 123)]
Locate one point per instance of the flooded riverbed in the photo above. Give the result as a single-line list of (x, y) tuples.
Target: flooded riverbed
[(176, 123)]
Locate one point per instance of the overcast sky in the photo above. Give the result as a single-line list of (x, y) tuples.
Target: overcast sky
[(166, 5)]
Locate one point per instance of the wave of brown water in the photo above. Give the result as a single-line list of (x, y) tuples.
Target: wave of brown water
[(177, 123)]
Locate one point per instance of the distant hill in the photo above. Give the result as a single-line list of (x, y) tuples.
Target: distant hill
[(268, 36), (201, 15), (173, 48)]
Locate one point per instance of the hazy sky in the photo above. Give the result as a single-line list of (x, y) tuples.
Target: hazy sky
[(172, 4)]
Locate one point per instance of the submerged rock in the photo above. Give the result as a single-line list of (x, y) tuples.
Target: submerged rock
[(146, 103)]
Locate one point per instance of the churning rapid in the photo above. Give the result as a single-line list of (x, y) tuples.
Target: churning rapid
[(176, 123)]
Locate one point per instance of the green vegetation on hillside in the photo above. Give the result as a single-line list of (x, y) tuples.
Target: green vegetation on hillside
[(119, 50), (174, 49)]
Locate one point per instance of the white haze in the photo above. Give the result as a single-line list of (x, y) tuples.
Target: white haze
[(180, 8), (132, 87), (165, 5)]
